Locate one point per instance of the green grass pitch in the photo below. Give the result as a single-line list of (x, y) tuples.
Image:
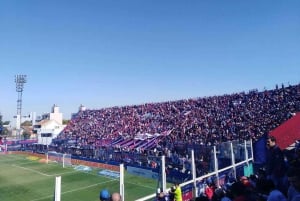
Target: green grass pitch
[(25, 178)]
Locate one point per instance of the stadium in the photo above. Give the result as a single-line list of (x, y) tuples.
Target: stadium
[(196, 142), (149, 100)]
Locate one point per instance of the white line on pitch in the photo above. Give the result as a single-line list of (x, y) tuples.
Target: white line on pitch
[(78, 189), (32, 170)]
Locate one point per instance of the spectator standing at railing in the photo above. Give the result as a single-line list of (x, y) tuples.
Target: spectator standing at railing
[(177, 194), (275, 164), (171, 193), (209, 190)]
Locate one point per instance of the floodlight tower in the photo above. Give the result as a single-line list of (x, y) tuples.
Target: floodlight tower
[(20, 80)]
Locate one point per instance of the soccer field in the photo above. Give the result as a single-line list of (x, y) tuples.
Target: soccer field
[(25, 178)]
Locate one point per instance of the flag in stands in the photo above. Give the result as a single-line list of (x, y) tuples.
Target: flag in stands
[(167, 132)]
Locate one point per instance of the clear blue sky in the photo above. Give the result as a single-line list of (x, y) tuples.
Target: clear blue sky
[(103, 53)]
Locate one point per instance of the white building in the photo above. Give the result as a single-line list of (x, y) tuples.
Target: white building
[(50, 126)]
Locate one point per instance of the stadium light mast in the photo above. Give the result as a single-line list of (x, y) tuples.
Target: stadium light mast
[(20, 80)]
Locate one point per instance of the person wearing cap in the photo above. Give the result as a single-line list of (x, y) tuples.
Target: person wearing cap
[(104, 195)]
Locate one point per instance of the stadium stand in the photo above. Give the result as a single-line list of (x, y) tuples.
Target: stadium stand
[(139, 134), (206, 120)]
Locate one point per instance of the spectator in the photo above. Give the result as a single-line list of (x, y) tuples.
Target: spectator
[(293, 175), (161, 197), (172, 193), (238, 191), (104, 195), (116, 197), (177, 193), (201, 198), (209, 190), (275, 165), (218, 195), (273, 193)]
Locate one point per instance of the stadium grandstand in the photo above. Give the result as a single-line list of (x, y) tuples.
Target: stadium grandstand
[(138, 135), (172, 127)]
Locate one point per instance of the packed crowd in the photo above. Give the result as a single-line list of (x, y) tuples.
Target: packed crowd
[(171, 127), (278, 180), (205, 121)]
